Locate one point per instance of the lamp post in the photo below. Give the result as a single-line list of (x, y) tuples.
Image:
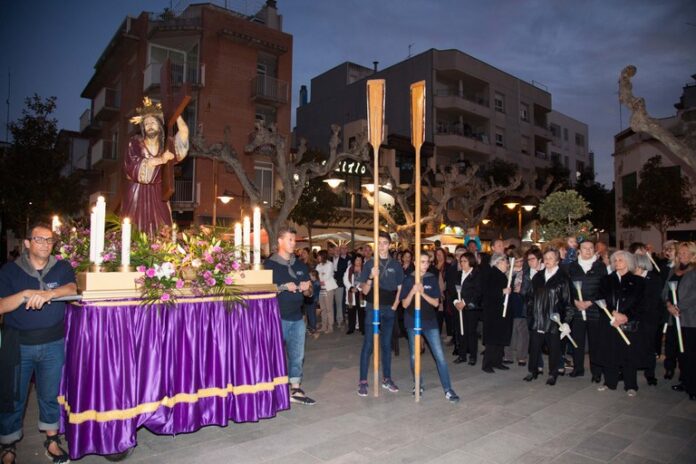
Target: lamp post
[(334, 183), (228, 196), (528, 204)]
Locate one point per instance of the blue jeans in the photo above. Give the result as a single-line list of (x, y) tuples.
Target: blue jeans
[(311, 311), (46, 362), (433, 337), (383, 325), (294, 336)]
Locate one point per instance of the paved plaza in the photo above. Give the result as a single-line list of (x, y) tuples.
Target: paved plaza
[(500, 419)]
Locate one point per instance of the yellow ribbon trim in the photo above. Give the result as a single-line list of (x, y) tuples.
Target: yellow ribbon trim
[(183, 299), (124, 414)]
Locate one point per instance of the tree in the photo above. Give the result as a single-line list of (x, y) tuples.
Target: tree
[(601, 200), (559, 173), (561, 211), (662, 199), (31, 186), (292, 170), (318, 203)]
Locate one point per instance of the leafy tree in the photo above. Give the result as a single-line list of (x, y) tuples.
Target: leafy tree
[(556, 171), (318, 203), (560, 213), (601, 200), (31, 186), (662, 199)]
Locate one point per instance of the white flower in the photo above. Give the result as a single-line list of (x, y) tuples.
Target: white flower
[(196, 262), (165, 270)]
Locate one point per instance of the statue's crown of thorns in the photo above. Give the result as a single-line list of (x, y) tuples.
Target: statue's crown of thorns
[(148, 109)]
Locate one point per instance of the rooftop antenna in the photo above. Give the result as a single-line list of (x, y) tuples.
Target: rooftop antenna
[(409, 49)]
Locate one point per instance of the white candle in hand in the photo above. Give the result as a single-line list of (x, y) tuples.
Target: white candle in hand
[(125, 242), (257, 236), (246, 237)]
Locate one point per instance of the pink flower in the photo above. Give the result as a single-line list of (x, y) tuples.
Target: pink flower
[(59, 257), (208, 258), (179, 283), (217, 249), (235, 265), (140, 268), (165, 297), (74, 264), (207, 275), (155, 246), (228, 280), (150, 273), (211, 282)]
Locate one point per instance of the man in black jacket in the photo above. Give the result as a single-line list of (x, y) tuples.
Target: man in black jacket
[(341, 261), (586, 274)]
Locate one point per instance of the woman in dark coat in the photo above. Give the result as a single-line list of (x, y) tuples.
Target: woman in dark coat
[(497, 330), (550, 295), (622, 292), (469, 279), (652, 312)]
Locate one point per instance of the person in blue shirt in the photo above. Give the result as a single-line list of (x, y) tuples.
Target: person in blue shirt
[(292, 278), (391, 275), (429, 290), (33, 340)]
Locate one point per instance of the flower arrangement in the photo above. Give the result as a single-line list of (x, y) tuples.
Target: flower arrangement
[(73, 246), (158, 283)]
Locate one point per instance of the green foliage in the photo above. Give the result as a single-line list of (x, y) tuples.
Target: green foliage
[(498, 171), (560, 213), (662, 199), (601, 200), (31, 186), (560, 174), (318, 203)]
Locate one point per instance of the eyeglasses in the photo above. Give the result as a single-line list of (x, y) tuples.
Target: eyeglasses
[(44, 240)]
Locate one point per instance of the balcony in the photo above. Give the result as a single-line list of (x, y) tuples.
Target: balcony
[(106, 104), (452, 99), (102, 152), (541, 130), (194, 75), (184, 193), (452, 136), (265, 89), (541, 155), (89, 127)]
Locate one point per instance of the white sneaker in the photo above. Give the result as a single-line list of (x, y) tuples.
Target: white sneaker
[(602, 388), (631, 393)]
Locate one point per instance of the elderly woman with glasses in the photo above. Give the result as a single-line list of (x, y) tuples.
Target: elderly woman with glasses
[(497, 330), (622, 291)]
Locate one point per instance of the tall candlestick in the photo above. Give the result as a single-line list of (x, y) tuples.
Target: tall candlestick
[(93, 236), (257, 236), (237, 241), (101, 224), (125, 242), (174, 229), (246, 237), (55, 224)]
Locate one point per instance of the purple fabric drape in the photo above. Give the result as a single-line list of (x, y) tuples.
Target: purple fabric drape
[(172, 370)]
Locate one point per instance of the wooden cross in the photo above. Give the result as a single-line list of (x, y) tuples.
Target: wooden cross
[(173, 105)]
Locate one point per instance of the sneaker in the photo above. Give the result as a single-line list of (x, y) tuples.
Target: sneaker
[(388, 384), (631, 393), (413, 391), (452, 396), (297, 395), (362, 389), (602, 388)]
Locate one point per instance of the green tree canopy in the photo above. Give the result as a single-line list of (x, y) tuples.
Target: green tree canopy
[(662, 199), (318, 203), (561, 213)]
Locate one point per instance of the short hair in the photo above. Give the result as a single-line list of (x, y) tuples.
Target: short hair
[(643, 262), (534, 251), (459, 247), (283, 230), (635, 246), (314, 273), (386, 235), (324, 255), (628, 257), (670, 244), (470, 258), (555, 252), (37, 225), (496, 258)]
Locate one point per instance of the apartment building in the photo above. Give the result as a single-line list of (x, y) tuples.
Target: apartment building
[(631, 151), (239, 68), (569, 144), (475, 112)]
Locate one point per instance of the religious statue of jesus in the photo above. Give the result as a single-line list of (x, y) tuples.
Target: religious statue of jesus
[(142, 200)]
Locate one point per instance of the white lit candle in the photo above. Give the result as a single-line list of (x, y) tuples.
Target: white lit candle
[(237, 240), (55, 224), (125, 242), (101, 224), (93, 236), (246, 237), (174, 229), (257, 236)]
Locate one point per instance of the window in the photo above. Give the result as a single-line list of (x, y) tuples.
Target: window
[(525, 145), (524, 112), (580, 140), (264, 181), (629, 183), (565, 134), (499, 102), (555, 131), (555, 157), (267, 114), (500, 136)]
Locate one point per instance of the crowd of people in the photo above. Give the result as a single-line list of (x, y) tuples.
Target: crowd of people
[(581, 304)]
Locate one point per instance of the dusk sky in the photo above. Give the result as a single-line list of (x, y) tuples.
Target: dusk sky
[(575, 48)]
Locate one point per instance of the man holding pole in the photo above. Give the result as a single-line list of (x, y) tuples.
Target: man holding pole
[(391, 276)]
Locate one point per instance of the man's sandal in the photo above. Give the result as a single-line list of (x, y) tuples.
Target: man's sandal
[(8, 449), (297, 395), (61, 458)]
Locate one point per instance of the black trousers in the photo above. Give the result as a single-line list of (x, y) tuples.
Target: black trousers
[(493, 357), (352, 316), (672, 351), (468, 343), (688, 360), (583, 331), (630, 377), (651, 330), (536, 342)]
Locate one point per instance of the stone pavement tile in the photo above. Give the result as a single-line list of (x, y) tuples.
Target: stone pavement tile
[(455, 437), (357, 442), (685, 408), (602, 446), (686, 455), (573, 458), (628, 458), (628, 426), (416, 452), (676, 427), (352, 458), (299, 457), (526, 406), (500, 447), (538, 430), (656, 446), (460, 457), (642, 407)]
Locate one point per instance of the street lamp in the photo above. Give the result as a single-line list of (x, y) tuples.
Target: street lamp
[(334, 183), (528, 204), (228, 196)]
